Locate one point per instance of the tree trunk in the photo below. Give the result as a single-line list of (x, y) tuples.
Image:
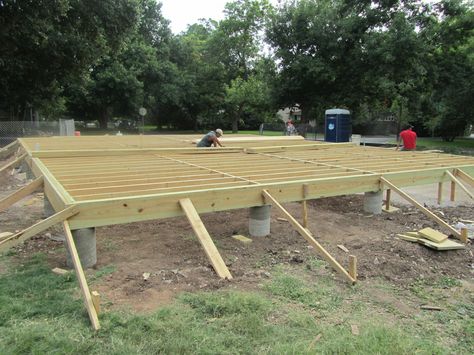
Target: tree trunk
[(235, 125), (399, 123)]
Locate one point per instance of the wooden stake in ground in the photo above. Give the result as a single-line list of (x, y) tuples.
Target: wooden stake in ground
[(81, 277), (305, 234), (440, 192), (205, 239), (425, 211)]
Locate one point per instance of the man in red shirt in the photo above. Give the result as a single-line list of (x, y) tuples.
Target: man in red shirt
[(408, 136)]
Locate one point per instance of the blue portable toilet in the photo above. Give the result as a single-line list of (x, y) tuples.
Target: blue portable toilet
[(337, 125)]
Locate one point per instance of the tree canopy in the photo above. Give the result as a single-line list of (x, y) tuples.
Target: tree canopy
[(102, 60)]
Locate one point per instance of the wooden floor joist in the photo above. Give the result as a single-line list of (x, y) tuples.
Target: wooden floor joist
[(81, 278), (423, 209), (309, 238), (39, 227), (205, 239), (21, 193), (462, 175)]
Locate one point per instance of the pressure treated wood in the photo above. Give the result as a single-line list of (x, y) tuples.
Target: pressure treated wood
[(205, 239), (14, 163), (21, 193), (460, 184), (81, 278), (423, 209), (309, 238)]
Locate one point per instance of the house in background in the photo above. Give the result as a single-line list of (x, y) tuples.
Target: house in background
[(290, 113)]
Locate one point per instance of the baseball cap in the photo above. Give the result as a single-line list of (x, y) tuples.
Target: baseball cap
[(219, 132)]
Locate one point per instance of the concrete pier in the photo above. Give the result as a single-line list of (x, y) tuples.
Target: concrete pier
[(373, 202), (259, 221), (85, 240)]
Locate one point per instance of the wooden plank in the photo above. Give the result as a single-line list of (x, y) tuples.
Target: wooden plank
[(21, 193), (387, 199), (81, 278), (425, 211), (305, 214), (205, 239), (305, 234), (448, 244), (9, 149), (13, 163), (37, 228), (461, 174), (452, 195), (460, 184), (433, 235)]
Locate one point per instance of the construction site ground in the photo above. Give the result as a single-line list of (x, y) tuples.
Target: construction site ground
[(172, 260)]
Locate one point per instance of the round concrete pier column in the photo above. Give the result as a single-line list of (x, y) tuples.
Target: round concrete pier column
[(85, 241), (48, 209), (373, 202), (259, 221)]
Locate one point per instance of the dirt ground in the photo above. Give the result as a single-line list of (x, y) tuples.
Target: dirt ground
[(168, 250)]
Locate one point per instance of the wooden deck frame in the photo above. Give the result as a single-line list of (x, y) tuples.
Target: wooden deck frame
[(20, 194), (81, 278), (269, 199), (463, 176), (423, 209)]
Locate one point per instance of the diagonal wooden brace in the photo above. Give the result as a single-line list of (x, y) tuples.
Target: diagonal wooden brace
[(460, 184), (81, 278), (423, 209), (13, 163), (21, 193), (463, 176), (8, 149), (29, 232), (306, 235), (205, 239)]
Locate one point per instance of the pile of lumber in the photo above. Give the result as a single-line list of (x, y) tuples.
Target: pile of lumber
[(432, 239)]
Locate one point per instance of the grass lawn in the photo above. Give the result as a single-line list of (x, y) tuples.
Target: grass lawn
[(42, 313)]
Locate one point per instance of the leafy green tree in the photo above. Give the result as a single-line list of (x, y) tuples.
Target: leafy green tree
[(48, 45)]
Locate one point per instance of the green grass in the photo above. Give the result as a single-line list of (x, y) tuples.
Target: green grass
[(42, 312)]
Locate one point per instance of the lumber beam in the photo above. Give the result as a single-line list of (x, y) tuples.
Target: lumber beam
[(460, 184), (21, 193), (205, 239), (8, 149), (309, 238), (13, 163), (440, 193), (39, 227), (463, 176), (423, 209), (81, 278)]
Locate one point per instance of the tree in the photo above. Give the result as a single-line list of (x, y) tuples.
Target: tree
[(47, 45)]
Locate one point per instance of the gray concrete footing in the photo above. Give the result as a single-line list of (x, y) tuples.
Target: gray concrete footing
[(85, 240), (259, 221), (373, 202), (48, 209)]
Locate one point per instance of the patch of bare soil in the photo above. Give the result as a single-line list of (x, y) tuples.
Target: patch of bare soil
[(168, 250)]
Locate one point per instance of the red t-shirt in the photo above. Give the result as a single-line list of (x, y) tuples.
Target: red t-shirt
[(409, 139)]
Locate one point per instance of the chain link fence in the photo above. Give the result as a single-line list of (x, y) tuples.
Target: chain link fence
[(11, 130)]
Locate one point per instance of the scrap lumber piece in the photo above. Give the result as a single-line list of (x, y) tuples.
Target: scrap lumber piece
[(59, 271), (13, 163), (242, 238), (29, 232), (305, 234), (408, 238), (205, 239), (353, 266), (4, 235), (412, 234), (91, 310), (460, 184), (343, 248), (96, 301), (423, 209), (431, 308), (8, 149), (21, 193), (433, 235), (445, 245)]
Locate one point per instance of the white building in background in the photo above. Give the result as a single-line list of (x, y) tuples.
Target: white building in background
[(290, 113)]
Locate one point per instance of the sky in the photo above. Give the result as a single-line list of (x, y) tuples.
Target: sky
[(182, 13)]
